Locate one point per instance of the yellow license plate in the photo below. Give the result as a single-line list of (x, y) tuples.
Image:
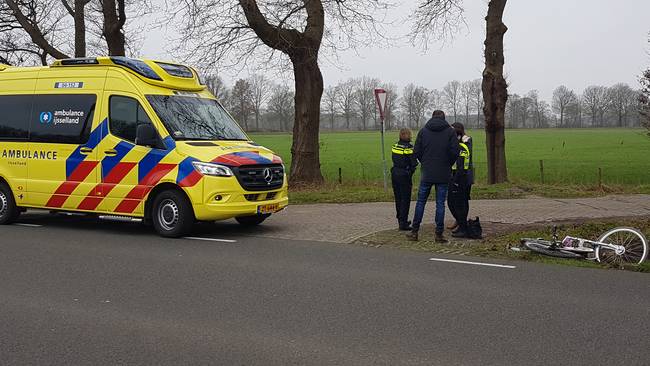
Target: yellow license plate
[(268, 209)]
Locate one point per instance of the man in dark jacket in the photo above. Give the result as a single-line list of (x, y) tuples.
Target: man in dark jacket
[(404, 164), (436, 147)]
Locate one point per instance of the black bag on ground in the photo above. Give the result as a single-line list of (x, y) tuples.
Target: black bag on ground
[(474, 229)]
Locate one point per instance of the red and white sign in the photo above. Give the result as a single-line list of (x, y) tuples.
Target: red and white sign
[(380, 98)]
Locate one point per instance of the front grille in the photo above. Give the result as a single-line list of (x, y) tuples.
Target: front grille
[(260, 177)]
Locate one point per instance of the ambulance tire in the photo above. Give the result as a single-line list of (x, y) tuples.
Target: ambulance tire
[(172, 215), (251, 220), (9, 212)]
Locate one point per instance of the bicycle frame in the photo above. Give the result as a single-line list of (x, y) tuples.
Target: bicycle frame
[(571, 242)]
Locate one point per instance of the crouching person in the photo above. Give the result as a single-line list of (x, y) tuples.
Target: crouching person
[(404, 164)]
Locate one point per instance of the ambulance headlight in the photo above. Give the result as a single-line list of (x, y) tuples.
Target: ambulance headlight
[(216, 170)]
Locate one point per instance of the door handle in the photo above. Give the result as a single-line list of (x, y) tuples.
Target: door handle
[(111, 152), (85, 150)]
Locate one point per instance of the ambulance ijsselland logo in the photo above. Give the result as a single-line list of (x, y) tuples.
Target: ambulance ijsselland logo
[(45, 118)]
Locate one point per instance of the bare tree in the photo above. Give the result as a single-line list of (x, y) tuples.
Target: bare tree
[(563, 97), (478, 100), (217, 31), (623, 101), (436, 19), (436, 99), (260, 93), (415, 100), (346, 94), (467, 97), (596, 101), (392, 104), (330, 101), (38, 20), (240, 100), (495, 93), (35, 30), (644, 99), (281, 104), (364, 98), (216, 86), (452, 96)]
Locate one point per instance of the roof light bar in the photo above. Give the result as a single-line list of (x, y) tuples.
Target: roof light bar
[(79, 61), (140, 67), (176, 70)]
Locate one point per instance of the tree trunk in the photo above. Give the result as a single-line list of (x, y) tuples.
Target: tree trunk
[(305, 163), (495, 93), (80, 28), (114, 19)]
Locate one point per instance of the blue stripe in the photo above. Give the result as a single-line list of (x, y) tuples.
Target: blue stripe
[(169, 143), (146, 165), (109, 162), (96, 136), (185, 168), (253, 156)]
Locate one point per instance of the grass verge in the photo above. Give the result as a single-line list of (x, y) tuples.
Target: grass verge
[(374, 192), (500, 237)]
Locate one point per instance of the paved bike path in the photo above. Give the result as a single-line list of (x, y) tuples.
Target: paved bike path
[(343, 223)]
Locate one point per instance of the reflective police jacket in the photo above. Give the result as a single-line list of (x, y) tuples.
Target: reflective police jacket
[(404, 161), (461, 168)]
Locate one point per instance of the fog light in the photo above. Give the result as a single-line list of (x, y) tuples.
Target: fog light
[(218, 197)]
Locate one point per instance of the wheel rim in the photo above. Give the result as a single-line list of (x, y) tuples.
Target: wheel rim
[(168, 214), (4, 204), (634, 243)]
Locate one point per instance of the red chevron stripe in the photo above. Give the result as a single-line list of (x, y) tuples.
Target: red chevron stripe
[(139, 192), (66, 188), (114, 177), (191, 180)]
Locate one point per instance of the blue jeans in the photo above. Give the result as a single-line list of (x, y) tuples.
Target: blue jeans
[(423, 195)]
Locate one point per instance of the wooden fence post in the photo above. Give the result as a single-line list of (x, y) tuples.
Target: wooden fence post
[(340, 176), (541, 170)]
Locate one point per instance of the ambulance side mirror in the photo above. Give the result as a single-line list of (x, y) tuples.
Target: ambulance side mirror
[(146, 135)]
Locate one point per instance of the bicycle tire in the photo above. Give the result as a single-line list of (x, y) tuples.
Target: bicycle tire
[(636, 250), (544, 247)]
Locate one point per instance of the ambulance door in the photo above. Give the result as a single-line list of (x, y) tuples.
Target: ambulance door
[(128, 171), (62, 162)]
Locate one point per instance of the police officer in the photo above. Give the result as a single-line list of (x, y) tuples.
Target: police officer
[(461, 182), (404, 164)]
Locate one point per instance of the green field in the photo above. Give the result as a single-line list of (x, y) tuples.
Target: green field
[(572, 158)]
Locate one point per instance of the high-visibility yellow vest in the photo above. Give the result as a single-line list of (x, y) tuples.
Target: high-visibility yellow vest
[(401, 150), (464, 152)]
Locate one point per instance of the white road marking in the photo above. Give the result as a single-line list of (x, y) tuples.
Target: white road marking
[(473, 263), (27, 225), (210, 239)]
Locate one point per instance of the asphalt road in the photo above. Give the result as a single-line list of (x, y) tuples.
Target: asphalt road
[(76, 291)]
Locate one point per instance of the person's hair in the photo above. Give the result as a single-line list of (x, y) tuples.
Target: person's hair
[(459, 127), (405, 134), (438, 114)]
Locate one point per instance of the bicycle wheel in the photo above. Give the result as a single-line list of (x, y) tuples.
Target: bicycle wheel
[(544, 247), (634, 242)]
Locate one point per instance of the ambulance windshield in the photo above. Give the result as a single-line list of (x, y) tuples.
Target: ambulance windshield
[(192, 118)]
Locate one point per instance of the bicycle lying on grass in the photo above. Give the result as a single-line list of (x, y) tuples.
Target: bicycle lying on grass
[(621, 245)]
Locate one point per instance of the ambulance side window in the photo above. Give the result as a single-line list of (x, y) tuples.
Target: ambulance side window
[(62, 118), (14, 118), (125, 114)]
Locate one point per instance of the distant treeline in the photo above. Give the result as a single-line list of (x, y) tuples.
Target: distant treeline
[(261, 105)]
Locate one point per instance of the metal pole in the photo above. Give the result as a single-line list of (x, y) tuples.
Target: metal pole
[(383, 155)]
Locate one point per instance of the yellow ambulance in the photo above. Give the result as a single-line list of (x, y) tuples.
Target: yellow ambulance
[(132, 138)]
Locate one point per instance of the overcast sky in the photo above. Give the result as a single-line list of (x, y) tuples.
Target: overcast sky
[(550, 42)]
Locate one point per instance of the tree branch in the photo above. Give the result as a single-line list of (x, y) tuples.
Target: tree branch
[(34, 32)]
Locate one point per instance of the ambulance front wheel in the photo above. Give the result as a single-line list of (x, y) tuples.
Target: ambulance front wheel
[(172, 214), (9, 212)]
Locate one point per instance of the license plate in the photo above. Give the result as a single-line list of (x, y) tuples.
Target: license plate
[(268, 209)]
